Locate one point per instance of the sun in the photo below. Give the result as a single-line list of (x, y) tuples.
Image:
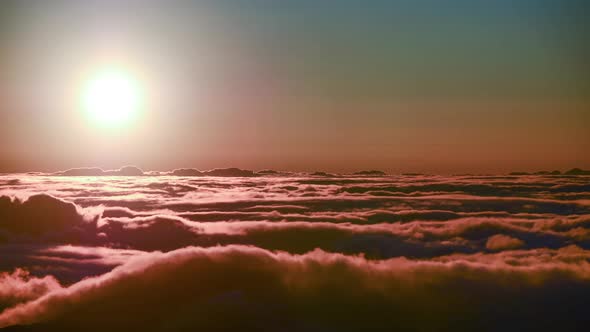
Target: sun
[(112, 98)]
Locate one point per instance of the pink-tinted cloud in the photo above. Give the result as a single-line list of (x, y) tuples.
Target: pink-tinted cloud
[(503, 242), (19, 286), (244, 287), (401, 252), (39, 215)]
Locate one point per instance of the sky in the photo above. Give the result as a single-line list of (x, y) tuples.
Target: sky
[(403, 86)]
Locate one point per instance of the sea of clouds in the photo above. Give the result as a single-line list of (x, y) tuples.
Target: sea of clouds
[(245, 251)]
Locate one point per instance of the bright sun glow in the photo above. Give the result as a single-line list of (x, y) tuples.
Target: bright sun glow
[(112, 98)]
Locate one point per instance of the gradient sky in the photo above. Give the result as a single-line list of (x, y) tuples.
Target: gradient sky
[(402, 86)]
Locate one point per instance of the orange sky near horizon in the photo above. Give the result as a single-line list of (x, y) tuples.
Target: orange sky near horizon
[(299, 86)]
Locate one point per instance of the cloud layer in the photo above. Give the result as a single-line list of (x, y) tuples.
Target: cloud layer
[(246, 288), (294, 252)]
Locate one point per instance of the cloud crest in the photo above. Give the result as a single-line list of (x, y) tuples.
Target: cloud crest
[(267, 290)]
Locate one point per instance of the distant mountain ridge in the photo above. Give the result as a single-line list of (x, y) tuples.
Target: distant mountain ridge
[(238, 172)]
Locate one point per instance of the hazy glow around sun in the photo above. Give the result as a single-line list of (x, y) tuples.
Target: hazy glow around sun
[(112, 98)]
